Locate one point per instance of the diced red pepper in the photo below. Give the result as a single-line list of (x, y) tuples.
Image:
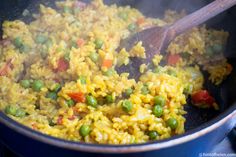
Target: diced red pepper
[(60, 120), (77, 97), (80, 42), (107, 63), (5, 68), (62, 65), (172, 59), (202, 97)]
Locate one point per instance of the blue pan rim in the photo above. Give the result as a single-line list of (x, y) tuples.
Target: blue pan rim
[(207, 127)]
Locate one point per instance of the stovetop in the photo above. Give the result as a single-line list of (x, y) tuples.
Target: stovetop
[(225, 147)]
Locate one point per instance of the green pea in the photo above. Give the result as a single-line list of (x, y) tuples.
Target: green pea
[(37, 85), (57, 87), (217, 48), (74, 44), (185, 55), (70, 103), (91, 101), (157, 70), (44, 52), (98, 43), (52, 95), (18, 42), (159, 100), (188, 89), (209, 51), (157, 111), (172, 123), (132, 27), (82, 79), (109, 99), (25, 48), (20, 113), (152, 135), (145, 90), (26, 12), (49, 43), (59, 49), (94, 56), (101, 101), (109, 72), (67, 56), (41, 39), (10, 110), (172, 73), (123, 15), (84, 130), (25, 83), (128, 91), (51, 123), (127, 106), (67, 10)]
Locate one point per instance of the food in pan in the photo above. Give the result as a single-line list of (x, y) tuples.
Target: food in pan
[(57, 74)]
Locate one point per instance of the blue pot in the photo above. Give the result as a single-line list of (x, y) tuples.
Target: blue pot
[(203, 132)]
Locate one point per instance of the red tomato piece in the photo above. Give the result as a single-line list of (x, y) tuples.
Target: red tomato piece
[(202, 97)]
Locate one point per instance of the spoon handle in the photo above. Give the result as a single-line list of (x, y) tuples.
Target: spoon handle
[(200, 16)]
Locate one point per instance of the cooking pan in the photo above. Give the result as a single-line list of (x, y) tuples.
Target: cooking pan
[(204, 127)]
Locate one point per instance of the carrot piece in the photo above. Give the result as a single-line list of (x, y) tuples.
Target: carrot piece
[(172, 59), (5, 68), (140, 21), (77, 96), (80, 42), (107, 63)]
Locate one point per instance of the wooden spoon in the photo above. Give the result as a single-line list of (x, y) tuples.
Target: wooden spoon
[(156, 39)]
